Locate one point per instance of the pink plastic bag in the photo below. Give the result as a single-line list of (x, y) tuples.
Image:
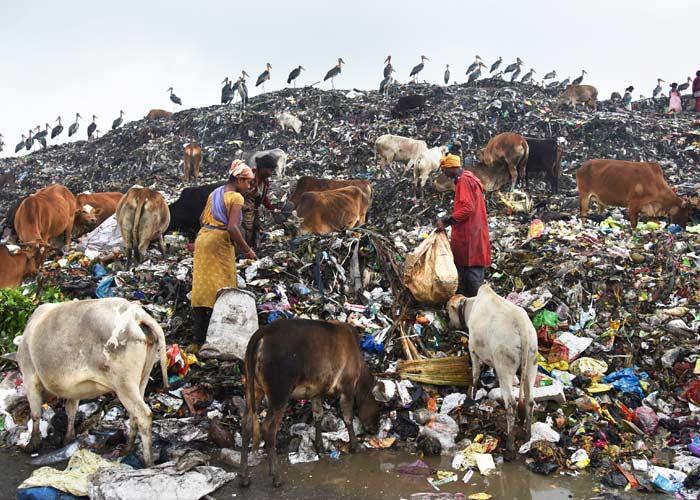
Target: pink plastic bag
[(646, 419)]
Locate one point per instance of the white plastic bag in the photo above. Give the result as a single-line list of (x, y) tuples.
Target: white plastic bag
[(233, 321)]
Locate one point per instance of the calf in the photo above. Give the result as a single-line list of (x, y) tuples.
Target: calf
[(157, 114), (185, 212), (143, 217), (327, 211), (395, 148), (251, 158), (574, 94), (19, 262), (46, 214), (509, 149), (639, 186), (408, 103), (94, 209), (307, 184), (83, 349), (192, 159), (544, 155), (501, 335), (287, 120), (304, 359), (426, 163)]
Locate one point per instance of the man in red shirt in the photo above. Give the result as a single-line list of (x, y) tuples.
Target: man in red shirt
[(470, 241)]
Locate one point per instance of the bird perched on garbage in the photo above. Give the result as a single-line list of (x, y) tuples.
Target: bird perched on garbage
[(74, 126), (334, 71), (528, 76), (386, 82), (116, 123), (243, 88), (447, 75), (685, 85), (553, 84), (30, 141), (474, 65), (264, 76), (577, 81), (1, 143), (227, 91), (388, 69), (175, 99), (565, 82), (21, 144), (92, 127), (41, 140), (549, 76), (512, 67), (57, 129), (516, 73), (474, 76), (295, 74), (496, 65), (42, 133), (658, 88), (418, 68)]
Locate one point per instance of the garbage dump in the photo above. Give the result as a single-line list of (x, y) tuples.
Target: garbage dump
[(616, 310)]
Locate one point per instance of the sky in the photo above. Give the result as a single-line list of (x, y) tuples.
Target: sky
[(59, 58)]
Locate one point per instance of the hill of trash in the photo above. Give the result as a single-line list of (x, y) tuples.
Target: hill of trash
[(616, 312)]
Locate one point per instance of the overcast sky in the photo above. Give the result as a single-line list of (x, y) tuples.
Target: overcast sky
[(59, 58)]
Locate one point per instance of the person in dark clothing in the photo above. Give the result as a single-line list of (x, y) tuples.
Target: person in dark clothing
[(258, 195)]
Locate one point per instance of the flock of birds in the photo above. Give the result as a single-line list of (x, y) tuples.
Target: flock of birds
[(232, 88)]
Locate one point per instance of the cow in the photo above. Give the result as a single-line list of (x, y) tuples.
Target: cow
[(192, 160), (544, 155), (492, 178), (395, 148), (574, 94), (157, 114), (185, 212), (501, 335), (7, 178), (46, 214), (444, 184), (334, 210), (507, 149), (143, 217), (303, 359), (251, 158), (94, 209), (638, 186), (83, 349), (408, 103), (16, 263), (426, 163), (287, 120), (306, 184)]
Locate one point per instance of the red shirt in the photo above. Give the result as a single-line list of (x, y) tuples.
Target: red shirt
[(470, 241)]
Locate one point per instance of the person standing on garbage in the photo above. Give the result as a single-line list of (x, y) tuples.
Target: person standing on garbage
[(258, 195), (674, 100), (470, 242), (696, 91), (214, 249)]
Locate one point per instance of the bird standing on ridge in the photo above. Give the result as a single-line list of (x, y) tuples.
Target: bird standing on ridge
[(496, 65), (685, 85), (21, 144), (29, 142), (116, 123), (447, 75), (74, 126), (175, 99), (264, 76), (577, 81), (658, 88), (1, 143), (295, 74), (476, 74), (418, 68), (41, 133), (528, 76), (551, 75), (474, 65), (57, 129), (92, 127), (388, 68), (386, 82), (512, 67), (243, 88), (227, 91), (516, 73), (334, 71)]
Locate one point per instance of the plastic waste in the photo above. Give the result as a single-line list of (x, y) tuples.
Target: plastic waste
[(626, 380), (430, 273), (646, 419), (233, 321)]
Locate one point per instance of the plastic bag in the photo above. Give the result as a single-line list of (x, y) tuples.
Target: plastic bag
[(233, 322), (646, 419), (589, 367), (430, 273), (545, 317), (626, 380)]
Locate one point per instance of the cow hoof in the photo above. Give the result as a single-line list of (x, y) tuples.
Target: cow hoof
[(244, 482)]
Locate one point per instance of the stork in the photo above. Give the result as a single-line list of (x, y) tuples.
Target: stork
[(116, 123), (658, 88), (29, 142), (41, 139), (516, 73), (57, 129), (512, 67), (334, 71), (685, 85), (418, 68), (553, 84), (295, 74), (92, 127), (565, 82), (264, 76), (474, 65), (577, 81), (21, 144), (386, 82), (551, 75), (447, 74), (528, 76), (496, 65), (227, 91), (1, 143), (242, 88), (175, 99), (74, 126), (41, 133), (388, 68), (476, 74)]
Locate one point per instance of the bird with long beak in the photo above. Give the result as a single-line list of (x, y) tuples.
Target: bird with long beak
[(550, 75), (116, 123), (512, 67), (658, 88), (388, 68), (264, 76), (418, 68), (496, 64), (447, 74), (57, 129), (474, 65), (528, 76), (295, 74), (175, 99), (74, 126), (577, 81), (334, 71)]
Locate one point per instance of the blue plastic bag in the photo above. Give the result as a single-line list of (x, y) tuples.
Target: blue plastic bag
[(104, 288), (626, 380), (44, 493), (99, 270), (369, 344)]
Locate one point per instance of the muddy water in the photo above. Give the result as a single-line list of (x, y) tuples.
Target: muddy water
[(367, 475)]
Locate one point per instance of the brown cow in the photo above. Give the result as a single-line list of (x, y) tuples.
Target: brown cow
[(507, 149), (304, 359), (157, 114), (192, 158), (574, 94), (639, 186), (46, 214), (15, 266), (143, 217), (94, 209), (333, 210), (493, 178), (306, 184)]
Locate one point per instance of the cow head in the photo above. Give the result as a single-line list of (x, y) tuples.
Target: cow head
[(679, 213), (367, 405), (36, 252), (86, 216)]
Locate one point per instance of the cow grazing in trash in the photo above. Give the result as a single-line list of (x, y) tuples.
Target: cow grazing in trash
[(143, 217), (501, 335), (83, 349), (408, 103), (94, 209), (185, 212), (192, 161), (47, 214), (279, 157), (157, 114), (544, 155), (507, 149), (304, 359), (395, 148), (574, 94), (307, 183), (18, 262), (334, 210)]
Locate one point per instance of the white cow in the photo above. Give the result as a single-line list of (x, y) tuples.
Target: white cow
[(394, 148), (426, 163), (502, 336), (287, 120), (83, 349), (251, 158)]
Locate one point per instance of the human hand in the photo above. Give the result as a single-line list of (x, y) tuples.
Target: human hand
[(250, 254), (440, 225)]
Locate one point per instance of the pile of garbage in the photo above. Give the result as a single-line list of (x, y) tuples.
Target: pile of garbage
[(616, 311)]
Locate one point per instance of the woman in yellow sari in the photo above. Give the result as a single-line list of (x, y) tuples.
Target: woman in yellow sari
[(214, 248)]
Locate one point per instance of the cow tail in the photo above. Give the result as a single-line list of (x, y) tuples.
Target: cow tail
[(251, 423), (154, 330), (525, 382), (135, 234)]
